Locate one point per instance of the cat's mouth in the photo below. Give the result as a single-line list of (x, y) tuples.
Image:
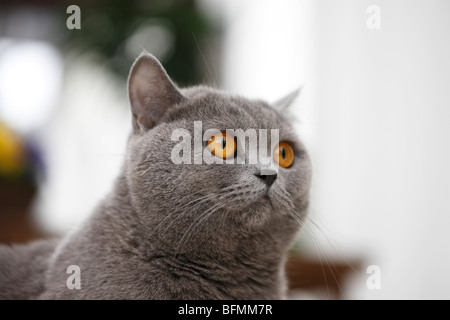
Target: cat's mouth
[(266, 199)]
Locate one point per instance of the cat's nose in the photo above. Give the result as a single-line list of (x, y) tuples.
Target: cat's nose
[(269, 179)]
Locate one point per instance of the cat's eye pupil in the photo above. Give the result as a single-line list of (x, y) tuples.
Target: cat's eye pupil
[(283, 153), (222, 145)]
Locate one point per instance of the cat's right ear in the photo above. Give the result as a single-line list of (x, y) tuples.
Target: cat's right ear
[(151, 92), (284, 103)]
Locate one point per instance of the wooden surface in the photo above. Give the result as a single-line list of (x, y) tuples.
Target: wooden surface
[(328, 276), (16, 225)]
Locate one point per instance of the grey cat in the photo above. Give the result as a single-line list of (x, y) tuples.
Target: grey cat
[(177, 231)]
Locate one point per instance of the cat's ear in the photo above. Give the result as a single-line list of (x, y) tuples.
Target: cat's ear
[(284, 103), (151, 92)]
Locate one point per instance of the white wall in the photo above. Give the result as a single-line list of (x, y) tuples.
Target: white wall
[(84, 145), (375, 115)]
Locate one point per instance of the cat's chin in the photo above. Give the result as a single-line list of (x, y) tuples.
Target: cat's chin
[(258, 213)]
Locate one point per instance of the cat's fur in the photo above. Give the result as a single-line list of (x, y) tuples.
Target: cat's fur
[(170, 231)]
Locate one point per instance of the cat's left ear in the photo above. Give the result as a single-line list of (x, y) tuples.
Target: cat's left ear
[(284, 103), (151, 92)]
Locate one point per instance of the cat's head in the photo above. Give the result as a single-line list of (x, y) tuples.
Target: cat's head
[(176, 190)]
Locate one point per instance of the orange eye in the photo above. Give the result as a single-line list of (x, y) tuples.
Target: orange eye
[(283, 155), (222, 145)]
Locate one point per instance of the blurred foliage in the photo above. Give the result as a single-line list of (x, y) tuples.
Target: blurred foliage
[(20, 160), (11, 152), (108, 25)]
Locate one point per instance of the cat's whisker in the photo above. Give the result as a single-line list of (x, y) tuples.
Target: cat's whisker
[(199, 219), (322, 256), (141, 173), (206, 216), (203, 57), (207, 196), (334, 271), (286, 201), (296, 218), (311, 237), (335, 248), (197, 222), (181, 200), (183, 211), (216, 74), (194, 204)]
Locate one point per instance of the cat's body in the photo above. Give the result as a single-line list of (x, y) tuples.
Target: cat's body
[(166, 231)]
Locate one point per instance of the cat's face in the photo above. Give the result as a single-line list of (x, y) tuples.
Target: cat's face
[(194, 196)]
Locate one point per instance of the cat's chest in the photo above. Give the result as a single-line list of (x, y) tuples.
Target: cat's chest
[(180, 280)]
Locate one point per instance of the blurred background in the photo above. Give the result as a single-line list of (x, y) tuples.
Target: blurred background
[(374, 113)]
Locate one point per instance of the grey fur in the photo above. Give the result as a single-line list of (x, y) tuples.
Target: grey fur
[(170, 231)]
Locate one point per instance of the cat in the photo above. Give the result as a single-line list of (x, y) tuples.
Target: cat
[(178, 231)]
